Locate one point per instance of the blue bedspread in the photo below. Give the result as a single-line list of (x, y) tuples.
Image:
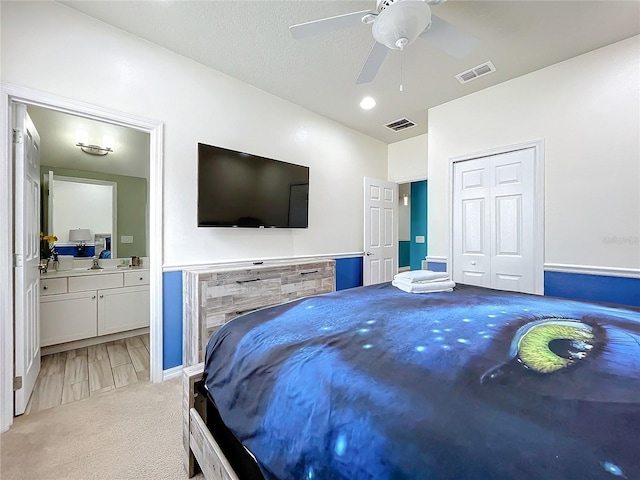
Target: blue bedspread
[(376, 383)]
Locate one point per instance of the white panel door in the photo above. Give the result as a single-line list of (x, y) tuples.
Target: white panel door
[(512, 235), (380, 227), (494, 221), (472, 223), (26, 148)]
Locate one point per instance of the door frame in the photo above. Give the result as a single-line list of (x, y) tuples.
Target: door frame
[(538, 195), (10, 94)]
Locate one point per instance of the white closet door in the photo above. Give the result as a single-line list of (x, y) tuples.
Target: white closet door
[(493, 221), (471, 220), (512, 235)]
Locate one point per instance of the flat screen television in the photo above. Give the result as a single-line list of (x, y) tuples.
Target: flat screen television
[(237, 189)]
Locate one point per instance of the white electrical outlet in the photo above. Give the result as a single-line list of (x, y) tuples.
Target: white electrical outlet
[(126, 239), (419, 238)]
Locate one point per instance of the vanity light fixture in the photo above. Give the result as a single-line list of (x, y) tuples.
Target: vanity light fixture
[(405, 200), (82, 141)]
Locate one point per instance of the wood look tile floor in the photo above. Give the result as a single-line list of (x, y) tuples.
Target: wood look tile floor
[(70, 376)]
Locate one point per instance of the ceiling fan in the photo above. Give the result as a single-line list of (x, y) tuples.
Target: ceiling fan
[(395, 25)]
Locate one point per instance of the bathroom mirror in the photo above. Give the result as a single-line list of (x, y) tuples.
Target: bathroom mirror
[(114, 207)]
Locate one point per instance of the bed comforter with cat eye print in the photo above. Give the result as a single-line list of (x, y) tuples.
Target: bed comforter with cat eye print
[(376, 383)]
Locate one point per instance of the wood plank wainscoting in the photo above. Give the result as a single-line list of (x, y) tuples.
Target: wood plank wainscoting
[(215, 295)]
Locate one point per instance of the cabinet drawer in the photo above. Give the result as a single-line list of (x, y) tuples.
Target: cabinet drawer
[(52, 286), (95, 282), (132, 279)]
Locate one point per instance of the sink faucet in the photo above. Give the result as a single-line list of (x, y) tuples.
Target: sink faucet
[(96, 265)]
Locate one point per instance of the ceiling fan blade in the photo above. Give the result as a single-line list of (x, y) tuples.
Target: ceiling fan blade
[(327, 25), (452, 40), (373, 63)]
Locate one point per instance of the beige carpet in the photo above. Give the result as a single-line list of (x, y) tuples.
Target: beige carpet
[(129, 433)]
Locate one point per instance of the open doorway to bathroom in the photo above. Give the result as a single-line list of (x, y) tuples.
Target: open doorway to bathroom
[(412, 225), (95, 306)]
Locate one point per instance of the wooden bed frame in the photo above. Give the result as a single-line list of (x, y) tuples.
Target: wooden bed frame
[(213, 296), (201, 451)]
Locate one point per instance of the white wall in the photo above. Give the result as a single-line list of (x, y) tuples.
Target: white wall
[(47, 46), (587, 110), (404, 213), (408, 159)]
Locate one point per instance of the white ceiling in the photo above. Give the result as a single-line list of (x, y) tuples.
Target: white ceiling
[(57, 132), (250, 40)]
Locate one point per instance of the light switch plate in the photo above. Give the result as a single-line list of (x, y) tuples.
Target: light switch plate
[(419, 238), (126, 239)]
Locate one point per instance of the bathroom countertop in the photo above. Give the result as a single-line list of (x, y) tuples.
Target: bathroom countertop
[(87, 271)]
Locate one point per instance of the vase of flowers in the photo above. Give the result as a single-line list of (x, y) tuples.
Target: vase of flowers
[(47, 249)]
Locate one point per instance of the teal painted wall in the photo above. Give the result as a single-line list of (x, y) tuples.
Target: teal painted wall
[(404, 253), (418, 223)]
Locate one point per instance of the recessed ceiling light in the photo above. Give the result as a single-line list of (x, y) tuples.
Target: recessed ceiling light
[(367, 103)]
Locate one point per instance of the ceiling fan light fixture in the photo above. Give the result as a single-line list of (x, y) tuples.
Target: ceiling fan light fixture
[(367, 103), (402, 19)]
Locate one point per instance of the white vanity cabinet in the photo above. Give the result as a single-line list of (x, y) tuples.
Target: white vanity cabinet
[(81, 306), (67, 317), (123, 309)]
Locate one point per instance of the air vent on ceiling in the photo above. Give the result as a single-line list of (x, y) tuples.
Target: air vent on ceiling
[(400, 124), (476, 72)]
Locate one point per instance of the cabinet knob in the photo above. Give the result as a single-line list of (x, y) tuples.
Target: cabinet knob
[(93, 297), (140, 278), (101, 296), (46, 287)]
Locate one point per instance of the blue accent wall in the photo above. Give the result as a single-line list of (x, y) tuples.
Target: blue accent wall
[(437, 266), (404, 253), (418, 223), (348, 273), (595, 288), (171, 320)]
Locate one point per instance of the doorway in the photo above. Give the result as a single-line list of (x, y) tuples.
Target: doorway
[(103, 195), (412, 225), (11, 96)]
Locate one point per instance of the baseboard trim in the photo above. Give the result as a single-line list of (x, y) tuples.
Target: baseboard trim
[(64, 347), (171, 373), (592, 270)]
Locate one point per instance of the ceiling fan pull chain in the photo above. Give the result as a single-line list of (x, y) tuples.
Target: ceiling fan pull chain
[(401, 80)]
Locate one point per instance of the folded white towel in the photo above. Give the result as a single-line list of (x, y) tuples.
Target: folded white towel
[(422, 276), (433, 287), (407, 282)]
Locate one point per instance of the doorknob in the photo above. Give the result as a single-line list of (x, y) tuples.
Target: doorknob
[(368, 254), (473, 263)]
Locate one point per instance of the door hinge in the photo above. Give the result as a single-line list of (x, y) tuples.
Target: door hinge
[(17, 383), (17, 259), (17, 136)]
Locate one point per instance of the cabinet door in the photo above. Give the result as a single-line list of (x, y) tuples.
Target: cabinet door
[(121, 309), (67, 317)]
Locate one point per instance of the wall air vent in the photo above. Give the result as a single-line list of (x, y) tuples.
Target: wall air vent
[(476, 72), (400, 124)]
